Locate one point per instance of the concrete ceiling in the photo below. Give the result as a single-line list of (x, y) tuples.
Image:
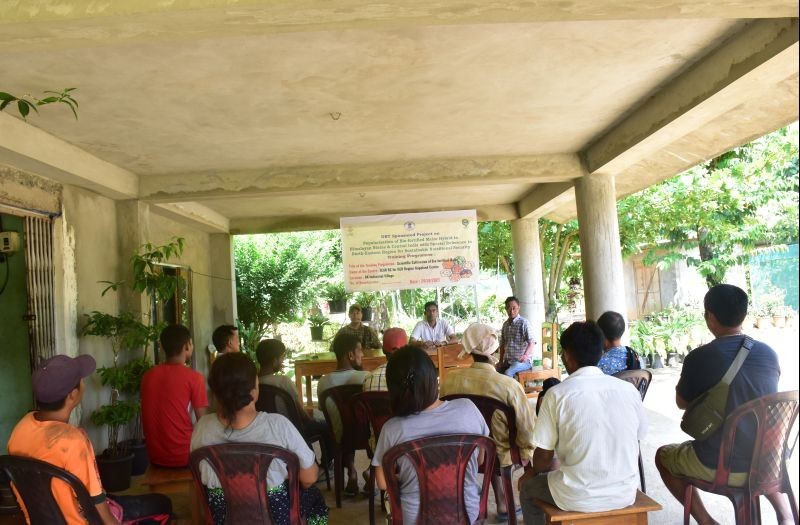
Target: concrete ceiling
[(262, 116)]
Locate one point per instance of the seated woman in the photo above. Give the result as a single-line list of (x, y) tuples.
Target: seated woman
[(235, 386), (414, 395)]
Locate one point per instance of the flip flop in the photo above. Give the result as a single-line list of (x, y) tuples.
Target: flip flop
[(503, 516)]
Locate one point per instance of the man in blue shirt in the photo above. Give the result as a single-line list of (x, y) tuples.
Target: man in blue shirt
[(615, 355)]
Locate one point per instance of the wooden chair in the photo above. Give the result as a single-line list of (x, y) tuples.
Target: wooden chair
[(447, 359), (635, 514), (640, 379), (550, 350), (378, 410), (488, 406), (355, 429), (242, 472), (772, 417), (268, 401), (441, 464), (32, 479)]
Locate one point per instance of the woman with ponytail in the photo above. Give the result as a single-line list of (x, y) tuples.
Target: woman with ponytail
[(414, 395), (234, 382)]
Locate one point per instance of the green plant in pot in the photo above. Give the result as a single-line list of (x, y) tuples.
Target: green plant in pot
[(125, 332), (336, 296), (317, 321), (366, 300)]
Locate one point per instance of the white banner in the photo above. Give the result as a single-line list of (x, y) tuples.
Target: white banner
[(410, 250)]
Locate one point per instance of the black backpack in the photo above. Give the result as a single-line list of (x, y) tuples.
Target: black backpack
[(632, 361)]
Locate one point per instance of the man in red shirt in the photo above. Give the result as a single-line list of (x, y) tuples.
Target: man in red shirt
[(169, 392)]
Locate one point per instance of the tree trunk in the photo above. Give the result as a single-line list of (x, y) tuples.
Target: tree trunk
[(509, 274), (706, 249)]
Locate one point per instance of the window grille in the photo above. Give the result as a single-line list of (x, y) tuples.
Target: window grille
[(41, 303)]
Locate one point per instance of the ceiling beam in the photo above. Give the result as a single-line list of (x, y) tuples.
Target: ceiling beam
[(30, 149), (438, 173), (194, 214), (764, 53), (545, 198), (253, 225)]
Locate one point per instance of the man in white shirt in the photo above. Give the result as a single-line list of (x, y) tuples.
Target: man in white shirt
[(432, 331), (592, 424)]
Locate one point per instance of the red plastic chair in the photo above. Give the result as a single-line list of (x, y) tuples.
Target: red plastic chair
[(641, 379), (32, 478), (441, 464), (267, 401), (355, 429), (487, 407), (774, 416), (242, 471), (378, 410)]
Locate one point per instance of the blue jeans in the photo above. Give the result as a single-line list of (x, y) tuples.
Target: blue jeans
[(516, 367)]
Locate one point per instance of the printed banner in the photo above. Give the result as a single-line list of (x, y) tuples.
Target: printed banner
[(410, 250)]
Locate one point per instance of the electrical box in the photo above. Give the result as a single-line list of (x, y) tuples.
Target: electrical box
[(9, 242)]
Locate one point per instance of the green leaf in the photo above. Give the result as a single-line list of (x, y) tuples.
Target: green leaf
[(22, 106), (47, 100), (7, 96), (4, 104)]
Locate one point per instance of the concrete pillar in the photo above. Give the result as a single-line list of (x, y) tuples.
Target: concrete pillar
[(601, 256), (528, 275), (223, 286)]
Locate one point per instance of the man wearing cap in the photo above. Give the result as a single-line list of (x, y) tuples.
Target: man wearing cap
[(482, 379), (46, 435), (366, 334), (432, 331), (393, 339)]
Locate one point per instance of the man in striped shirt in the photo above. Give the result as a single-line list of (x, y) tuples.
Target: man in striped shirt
[(516, 341), (393, 339)]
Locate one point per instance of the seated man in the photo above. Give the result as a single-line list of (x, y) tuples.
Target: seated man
[(483, 380), (348, 372), (592, 423), (516, 341), (432, 331), (393, 339), (615, 356), (725, 310), (46, 435), (169, 392), (225, 339), (365, 334)]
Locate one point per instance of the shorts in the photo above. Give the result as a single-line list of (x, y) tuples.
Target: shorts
[(681, 460)]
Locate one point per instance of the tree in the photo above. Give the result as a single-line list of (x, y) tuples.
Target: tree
[(558, 248), (278, 275), (726, 208), (495, 248)]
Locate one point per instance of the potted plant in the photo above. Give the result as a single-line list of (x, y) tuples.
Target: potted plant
[(366, 300), (124, 331), (317, 322), (336, 297)]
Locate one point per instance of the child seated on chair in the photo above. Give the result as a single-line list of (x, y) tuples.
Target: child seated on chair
[(47, 435), (234, 382), (414, 394)]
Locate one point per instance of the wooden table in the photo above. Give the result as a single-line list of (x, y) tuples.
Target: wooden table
[(325, 363)]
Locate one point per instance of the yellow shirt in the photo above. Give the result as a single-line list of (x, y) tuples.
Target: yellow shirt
[(66, 447), (482, 379)]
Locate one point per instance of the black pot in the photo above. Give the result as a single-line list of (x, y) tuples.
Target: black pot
[(672, 358), (657, 362), (337, 307), (140, 459), (366, 313), (316, 333), (115, 472)]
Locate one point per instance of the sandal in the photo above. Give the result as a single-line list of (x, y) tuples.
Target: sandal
[(351, 490)]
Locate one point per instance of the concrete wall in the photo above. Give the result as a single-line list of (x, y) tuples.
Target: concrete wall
[(87, 249)]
